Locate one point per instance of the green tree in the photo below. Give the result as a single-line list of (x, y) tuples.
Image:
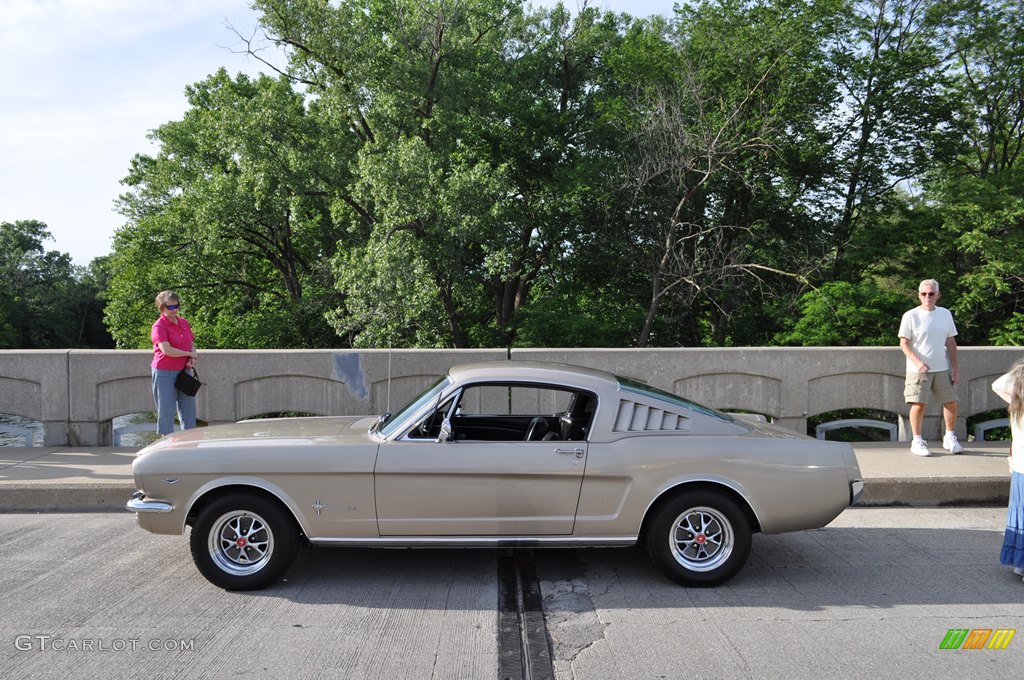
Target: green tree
[(717, 124), (45, 301), (888, 73), (469, 125), (979, 198), (845, 314), (89, 300), (473, 173), (234, 213), (866, 119)]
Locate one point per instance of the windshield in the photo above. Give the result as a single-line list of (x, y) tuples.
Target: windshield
[(648, 391), (389, 423)]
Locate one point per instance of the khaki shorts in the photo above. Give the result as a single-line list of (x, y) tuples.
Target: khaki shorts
[(920, 385)]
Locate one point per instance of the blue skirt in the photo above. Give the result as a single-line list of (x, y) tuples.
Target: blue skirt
[(1013, 540)]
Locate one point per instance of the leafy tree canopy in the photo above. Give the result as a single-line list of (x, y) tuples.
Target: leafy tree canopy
[(45, 301), (469, 173)]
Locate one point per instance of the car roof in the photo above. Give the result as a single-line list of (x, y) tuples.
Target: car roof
[(534, 371)]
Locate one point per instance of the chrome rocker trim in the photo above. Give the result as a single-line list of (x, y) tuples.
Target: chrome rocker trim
[(477, 542)]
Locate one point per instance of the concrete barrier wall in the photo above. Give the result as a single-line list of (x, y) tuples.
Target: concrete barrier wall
[(76, 393)]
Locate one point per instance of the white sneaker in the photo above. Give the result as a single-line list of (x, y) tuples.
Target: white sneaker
[(1018, 571), (950, 443), (919, 447)]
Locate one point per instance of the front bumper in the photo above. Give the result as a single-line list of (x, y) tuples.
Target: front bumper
[(140, 503)]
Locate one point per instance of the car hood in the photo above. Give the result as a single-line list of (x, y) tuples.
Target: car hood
[(271, 432)]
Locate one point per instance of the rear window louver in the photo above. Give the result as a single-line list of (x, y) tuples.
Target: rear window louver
[(635, 417)]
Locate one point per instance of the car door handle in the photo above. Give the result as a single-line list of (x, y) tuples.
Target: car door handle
[(576, 452)]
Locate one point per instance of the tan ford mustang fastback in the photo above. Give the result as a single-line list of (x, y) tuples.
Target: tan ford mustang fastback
[(500, 453)]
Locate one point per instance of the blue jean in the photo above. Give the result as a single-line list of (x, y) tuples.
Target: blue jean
[(1012, 554), (169, 400)]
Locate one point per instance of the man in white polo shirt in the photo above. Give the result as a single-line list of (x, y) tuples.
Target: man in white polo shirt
[(928, 339)]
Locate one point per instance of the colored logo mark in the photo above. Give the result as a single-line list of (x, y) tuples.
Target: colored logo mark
[(977, 638)]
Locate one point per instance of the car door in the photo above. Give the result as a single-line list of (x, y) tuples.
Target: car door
[(486, 480)]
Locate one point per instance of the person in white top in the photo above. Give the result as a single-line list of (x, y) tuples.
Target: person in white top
[(1011, 388), (928, 339)]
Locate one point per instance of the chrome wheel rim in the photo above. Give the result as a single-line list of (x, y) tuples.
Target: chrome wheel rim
[(701, 539), (241, 542)]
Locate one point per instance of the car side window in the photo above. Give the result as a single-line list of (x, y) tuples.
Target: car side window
[(521, 412), (513, 400), (430, 426)]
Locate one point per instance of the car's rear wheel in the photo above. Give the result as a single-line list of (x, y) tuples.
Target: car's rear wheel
[(243, 541), (699, 538)]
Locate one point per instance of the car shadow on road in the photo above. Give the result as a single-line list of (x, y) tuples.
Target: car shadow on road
[(391, 578), (812, 570)]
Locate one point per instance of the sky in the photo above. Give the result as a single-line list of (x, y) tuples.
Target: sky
[(82, 82)]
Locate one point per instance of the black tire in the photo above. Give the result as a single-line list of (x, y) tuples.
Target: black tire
[(243, 541), (699, 538)]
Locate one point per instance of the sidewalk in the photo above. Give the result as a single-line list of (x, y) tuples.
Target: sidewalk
[(85, 479)]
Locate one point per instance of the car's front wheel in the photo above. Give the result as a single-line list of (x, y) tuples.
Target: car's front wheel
[(699, 538), (243, 541)]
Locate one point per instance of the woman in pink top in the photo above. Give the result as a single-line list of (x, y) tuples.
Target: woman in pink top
[(174, 351)]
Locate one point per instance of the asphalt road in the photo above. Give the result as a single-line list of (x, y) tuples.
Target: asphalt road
[(871, 595)]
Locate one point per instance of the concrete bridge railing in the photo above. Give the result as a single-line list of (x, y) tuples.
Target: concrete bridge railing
[(77, 393)]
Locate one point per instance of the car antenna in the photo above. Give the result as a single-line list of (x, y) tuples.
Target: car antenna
[(388, 407)]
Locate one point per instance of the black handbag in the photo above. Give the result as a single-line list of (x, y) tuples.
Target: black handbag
[(189, 384)]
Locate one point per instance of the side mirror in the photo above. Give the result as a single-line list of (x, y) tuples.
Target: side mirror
[(446, 431)]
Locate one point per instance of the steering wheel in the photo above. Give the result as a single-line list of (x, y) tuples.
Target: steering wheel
[(537, 429)]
